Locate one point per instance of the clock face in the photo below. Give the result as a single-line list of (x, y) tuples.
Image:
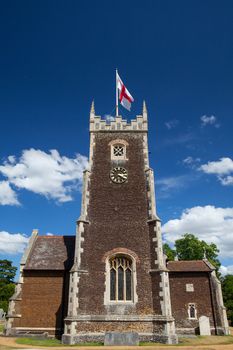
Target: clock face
[(118, 175)]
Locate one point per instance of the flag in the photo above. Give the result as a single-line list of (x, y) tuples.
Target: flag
[(124, 96)]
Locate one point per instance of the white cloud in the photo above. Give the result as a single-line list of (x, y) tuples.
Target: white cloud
[(226, 181), (212, 120), (226, 270), (188, 160), (222, 167), (12, 243), (109, 118), (171, 124), (48, 174), (49, 234), (191, 162), (7, 195), (179, 139), (208, 223), (168, 184)]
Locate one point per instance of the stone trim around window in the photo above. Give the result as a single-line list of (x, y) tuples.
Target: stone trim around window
[(121, 279), (192, 311), (124, 262), (118, 149)]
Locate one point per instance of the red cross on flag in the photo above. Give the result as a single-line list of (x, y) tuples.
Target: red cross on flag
[(124, 96)]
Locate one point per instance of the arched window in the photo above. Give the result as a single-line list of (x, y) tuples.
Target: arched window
[(192, 312), (121, 279)]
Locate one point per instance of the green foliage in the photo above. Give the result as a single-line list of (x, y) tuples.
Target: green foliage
[(4, 305), (7, 287), (7, 272), (227, 291), (190, 247), (1, 328), (5, 293), (170, 253)]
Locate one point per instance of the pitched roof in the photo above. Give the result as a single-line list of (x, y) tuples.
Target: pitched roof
[(51, 253), (189, 266)]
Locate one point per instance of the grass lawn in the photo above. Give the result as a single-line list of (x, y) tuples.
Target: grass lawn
[(50, 342), (199, 340), (1, 327), (207, 340)]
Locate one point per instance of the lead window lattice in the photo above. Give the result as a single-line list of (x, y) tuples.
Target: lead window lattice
[(120, 279)]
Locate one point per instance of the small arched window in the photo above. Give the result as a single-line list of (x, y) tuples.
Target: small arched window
[(121, 279), (192, 312)]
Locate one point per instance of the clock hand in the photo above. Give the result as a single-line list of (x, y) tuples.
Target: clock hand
[(122, 176)]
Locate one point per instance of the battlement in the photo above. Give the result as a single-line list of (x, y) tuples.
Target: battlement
[(118, 123)]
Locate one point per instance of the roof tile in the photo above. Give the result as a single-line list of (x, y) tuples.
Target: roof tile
[(51, 253), (188, 266)]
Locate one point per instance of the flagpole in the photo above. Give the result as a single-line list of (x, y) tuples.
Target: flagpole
[(116, 96)]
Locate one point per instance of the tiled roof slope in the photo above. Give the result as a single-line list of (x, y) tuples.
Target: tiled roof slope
[(189, 266), (51, 253)]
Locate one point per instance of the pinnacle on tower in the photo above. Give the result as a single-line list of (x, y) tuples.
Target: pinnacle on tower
[(92, 111), (144, 110)]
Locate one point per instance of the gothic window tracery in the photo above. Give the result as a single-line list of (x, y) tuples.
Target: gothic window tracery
[(121, 279)]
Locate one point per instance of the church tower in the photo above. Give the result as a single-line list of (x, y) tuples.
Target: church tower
[(119, 280)]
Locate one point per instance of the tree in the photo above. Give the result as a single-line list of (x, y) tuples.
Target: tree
[(227, 291), (5, 293), (170, 253), (7, 272), (7, 287), (190, 247)]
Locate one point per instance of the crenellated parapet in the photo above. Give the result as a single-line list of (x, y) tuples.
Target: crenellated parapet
[(117, 123)]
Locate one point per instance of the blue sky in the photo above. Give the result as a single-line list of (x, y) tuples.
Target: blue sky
[(57, 56)]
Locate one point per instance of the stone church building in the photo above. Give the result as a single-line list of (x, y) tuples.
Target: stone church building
[(113, 275)]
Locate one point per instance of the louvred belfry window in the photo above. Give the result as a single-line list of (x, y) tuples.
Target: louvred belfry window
[(120, 279)]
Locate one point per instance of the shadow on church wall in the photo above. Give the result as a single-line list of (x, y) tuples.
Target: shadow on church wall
[(69, 244)]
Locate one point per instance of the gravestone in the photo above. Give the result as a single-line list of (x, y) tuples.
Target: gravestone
[(121, 338), (204, 325), (2, 314)]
